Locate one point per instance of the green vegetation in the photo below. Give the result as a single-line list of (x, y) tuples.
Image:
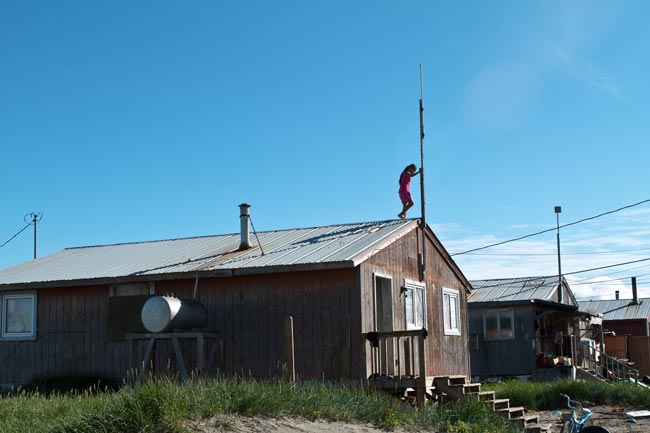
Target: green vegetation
[(164, 406), (546, 395)]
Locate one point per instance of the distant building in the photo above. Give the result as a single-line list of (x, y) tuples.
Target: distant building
[(523, 327)]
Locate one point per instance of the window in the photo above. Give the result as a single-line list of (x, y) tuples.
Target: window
[(498, 324), (415, 304), (451, 311), (18, 316)]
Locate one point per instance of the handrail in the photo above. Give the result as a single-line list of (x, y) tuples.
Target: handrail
[(608, 367)]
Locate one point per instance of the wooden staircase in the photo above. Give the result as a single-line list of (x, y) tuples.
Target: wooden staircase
[(457, 387)]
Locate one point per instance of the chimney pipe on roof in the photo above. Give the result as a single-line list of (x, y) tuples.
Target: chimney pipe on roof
[(616, 294), (635, 295), (244, 217)]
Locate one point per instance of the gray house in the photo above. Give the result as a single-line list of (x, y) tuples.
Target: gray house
[(523, 327)]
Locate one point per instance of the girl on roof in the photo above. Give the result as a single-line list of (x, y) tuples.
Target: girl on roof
[(405, 188)]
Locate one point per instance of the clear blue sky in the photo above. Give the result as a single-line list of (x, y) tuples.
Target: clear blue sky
[(128, 121)]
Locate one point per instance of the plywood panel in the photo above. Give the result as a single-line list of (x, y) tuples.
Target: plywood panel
[(640, 354)]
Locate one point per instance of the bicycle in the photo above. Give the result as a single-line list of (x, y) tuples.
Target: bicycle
[(575, 423)]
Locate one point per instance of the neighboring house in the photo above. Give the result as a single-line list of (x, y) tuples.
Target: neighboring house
[(523, 327), (67, 314), (626, 329), (623, 316)]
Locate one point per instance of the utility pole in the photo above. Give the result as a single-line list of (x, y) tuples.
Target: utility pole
[(34, 218), (558, 210)]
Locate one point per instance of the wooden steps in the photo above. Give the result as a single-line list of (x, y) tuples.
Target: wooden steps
[(458, 387)]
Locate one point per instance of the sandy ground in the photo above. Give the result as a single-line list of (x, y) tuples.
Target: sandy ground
[(615, 422)]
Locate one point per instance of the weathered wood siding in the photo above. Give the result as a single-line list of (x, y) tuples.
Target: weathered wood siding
[(247, 312), (71, 339), (445, 354)]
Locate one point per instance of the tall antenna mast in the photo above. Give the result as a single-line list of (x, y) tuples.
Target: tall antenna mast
[(423, 256)]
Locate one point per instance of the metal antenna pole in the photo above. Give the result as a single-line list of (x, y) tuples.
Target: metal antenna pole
[(558, 210), (35, 221), (423, 258), (34, 218)]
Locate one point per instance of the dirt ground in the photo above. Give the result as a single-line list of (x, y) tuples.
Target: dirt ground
[(615, 422)]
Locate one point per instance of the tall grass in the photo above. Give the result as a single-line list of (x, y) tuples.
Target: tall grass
[(546, 395), (164, 406)]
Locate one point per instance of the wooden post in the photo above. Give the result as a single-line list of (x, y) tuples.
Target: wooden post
[(179, 358), (200, 354), (147, 356), (289, 350), (422, 379)]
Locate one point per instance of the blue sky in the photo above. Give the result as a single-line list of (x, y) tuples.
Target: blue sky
[(128, 121)]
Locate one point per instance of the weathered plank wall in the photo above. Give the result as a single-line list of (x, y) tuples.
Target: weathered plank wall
[(514, 357), (446, 354), (249, 312), (71, 339)]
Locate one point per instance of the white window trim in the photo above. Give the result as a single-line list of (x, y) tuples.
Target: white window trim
[(508, 311), (455, 294), (13, 336), (413, 285)]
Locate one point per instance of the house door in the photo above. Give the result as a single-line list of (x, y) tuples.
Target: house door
[(384, 322)]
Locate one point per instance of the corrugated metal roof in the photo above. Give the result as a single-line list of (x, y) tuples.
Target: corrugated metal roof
[(343, 244), (619, 309), (515, 289)]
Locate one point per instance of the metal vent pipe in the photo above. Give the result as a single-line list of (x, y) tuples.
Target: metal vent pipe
[(244, 217)]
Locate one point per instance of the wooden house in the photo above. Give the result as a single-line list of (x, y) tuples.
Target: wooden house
[(523, 327), (354, 292), (626, 329)]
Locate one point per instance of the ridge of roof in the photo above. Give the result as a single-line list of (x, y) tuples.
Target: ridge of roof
[(234, 234)]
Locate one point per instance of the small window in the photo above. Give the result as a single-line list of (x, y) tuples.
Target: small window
[(498, 324), (18, 316), (415, 304), (451, 311)]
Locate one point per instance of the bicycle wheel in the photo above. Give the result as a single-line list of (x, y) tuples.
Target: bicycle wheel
[(566, 427), (594, 429)]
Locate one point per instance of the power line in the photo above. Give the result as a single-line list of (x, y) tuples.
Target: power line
[(605, 267), (553, 229), (587, 281), (14, 236), (555, 254)]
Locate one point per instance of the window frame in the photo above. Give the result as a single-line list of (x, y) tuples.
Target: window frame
[(499, 313), (451, 294), (410, 286), (17, 336)]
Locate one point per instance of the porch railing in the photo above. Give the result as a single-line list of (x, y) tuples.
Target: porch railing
[(398, 359)]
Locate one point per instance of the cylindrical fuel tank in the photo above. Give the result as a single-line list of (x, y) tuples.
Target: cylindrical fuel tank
[(163, 313)]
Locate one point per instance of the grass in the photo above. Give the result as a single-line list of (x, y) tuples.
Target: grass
[(164, 406), (546, 395)]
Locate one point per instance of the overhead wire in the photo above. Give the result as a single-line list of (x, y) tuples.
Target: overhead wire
[(14, 236), (552, 229)]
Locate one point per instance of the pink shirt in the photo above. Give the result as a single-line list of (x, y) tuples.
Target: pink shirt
[(405, 182)]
